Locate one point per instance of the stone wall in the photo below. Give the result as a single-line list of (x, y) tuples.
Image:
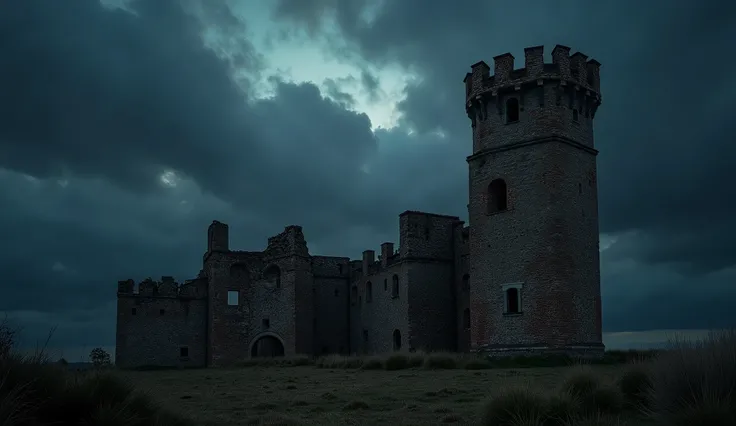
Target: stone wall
[(545, 242), (162, 324), (332, 298)]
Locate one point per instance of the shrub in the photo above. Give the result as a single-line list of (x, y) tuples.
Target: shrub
[(440, 361), (477, 364), (694, 383), (416, 359), (339, 361), (396, 362), (515, 406), (372, 363), (635, 385), (580, 382), (35, 392), (561, 409)]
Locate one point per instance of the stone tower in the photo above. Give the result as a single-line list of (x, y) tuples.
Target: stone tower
[(533, 249)]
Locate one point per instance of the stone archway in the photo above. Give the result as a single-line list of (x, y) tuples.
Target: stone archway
[(267, 346)]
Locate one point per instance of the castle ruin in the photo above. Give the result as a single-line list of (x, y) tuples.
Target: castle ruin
[(522, 278)]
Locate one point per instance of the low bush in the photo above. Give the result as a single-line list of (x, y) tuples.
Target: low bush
[(635, 384), (694, 382), (35, 392)]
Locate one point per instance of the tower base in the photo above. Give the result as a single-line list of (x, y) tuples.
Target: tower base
[(583, 350)]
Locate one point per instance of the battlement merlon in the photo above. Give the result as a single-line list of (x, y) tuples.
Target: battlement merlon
[(576, 70), (166, 288)]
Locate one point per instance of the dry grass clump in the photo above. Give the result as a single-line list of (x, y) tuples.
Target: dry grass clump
[(694, 383), (294, 361), (35, 392), (691, 384), (635, 384)]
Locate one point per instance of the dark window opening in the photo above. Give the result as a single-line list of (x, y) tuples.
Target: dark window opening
[(580, 188), (266, 322), (466, 319), (339, 268), (497, 196), (385, 284), (512, 110), (132, 311), (183, 351), (466, 282), (575, 115), (273, 275), (426, 233), (353, 295), (368, 292), (325, 350), (365, 336), (337, 292), (512, 301), (395, 287), (397, 340), (161, 311)]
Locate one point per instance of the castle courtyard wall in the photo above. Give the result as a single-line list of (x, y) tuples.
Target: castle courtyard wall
[(152, 329)]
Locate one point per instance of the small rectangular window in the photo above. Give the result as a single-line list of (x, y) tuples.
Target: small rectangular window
[(337, 292), (132, 311), (233, 297), (183, 351), (161, 312), (266, 323)]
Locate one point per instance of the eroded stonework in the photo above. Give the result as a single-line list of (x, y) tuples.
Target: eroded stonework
[(523, 278)]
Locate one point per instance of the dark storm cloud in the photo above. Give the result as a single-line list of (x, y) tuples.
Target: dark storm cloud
[(664, 130), (98, 103)]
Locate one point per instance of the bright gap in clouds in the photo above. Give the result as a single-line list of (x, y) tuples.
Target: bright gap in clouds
[(300, 60)]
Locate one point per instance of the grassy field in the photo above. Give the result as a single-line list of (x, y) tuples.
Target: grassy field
[(690, 384), (327, 396)]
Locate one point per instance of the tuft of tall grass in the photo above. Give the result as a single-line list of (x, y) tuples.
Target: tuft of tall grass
[(35, 392), (694, 382)]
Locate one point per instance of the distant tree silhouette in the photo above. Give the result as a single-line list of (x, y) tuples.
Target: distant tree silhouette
[(99, 357)]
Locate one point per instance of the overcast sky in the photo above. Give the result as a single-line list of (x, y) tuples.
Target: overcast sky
[(127, 127)]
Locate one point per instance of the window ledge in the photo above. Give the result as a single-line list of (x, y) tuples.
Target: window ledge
[(513, 314), (394, 297), (512, 122)]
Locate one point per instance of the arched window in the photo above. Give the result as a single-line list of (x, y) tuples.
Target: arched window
[(512, 301), (512, 110), (273, 275), (466, 282), (368, 292), (497, 196), (395, 287), (466, 319), (397, 340)]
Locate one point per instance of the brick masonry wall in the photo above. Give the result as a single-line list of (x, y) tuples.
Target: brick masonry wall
[(380, 315), (152, 338), (548, 238), (461, 237), (431, 305), (332, 298)]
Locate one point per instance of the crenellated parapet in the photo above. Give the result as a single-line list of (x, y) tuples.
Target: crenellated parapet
[(573, 73), (167, 287)]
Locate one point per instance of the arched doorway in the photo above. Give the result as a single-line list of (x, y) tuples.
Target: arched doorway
[(397, 340), (267, 346)]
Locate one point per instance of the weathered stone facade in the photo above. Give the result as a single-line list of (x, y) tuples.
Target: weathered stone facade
[(522, 278)]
